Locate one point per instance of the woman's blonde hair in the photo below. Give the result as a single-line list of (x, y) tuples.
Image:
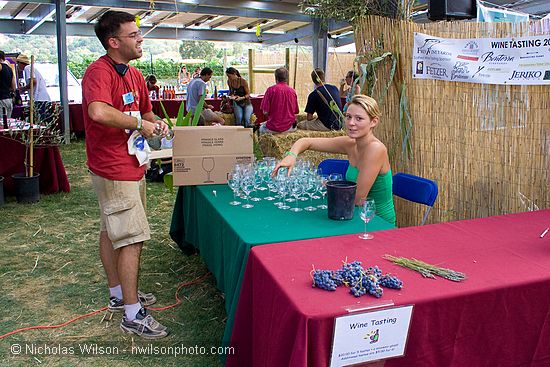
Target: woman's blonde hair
[(369, 104)]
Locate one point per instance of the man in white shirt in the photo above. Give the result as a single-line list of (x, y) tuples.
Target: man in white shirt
[(39, 84)]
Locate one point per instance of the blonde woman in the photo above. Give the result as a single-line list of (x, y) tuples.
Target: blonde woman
[(368, 157)]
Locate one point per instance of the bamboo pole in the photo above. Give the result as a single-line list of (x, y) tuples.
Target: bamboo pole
[(287, 58), (31, 127), (251, 69), (295, 68)]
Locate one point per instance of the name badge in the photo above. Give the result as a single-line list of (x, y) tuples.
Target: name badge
[(128, 98)]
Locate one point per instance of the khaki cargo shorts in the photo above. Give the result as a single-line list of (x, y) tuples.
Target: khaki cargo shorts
[(122, 210)]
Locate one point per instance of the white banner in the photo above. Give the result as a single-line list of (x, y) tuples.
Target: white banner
[(515, 61)]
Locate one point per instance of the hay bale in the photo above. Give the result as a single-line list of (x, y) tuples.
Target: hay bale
[(277, 144), (229, 118)]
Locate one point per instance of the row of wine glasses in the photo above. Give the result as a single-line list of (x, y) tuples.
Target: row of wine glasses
[(254, 182)]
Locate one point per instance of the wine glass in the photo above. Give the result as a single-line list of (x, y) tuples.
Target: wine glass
[(322, 189), (311, 189), (208, 166), (257, 181), (233, 181), (283, 183), (271, 185), (247, 183), (368, 209), (296, 187)]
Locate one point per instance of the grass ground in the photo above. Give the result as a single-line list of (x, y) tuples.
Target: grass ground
[(50, 272)]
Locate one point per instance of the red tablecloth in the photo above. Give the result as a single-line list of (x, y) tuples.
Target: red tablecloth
[(76, 118), (499, 316), (47, 162), (172, 106)]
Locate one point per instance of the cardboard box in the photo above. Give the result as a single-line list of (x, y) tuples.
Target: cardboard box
[(204, 155)]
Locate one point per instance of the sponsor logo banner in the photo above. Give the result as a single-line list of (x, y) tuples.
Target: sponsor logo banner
[(514, 61)]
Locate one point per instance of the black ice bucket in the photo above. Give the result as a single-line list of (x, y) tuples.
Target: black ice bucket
[(341, 199)]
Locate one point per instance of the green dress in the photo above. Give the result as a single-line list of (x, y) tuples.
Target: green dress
[(380, 192)]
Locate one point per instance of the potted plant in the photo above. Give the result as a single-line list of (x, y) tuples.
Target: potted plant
[(38, 129)]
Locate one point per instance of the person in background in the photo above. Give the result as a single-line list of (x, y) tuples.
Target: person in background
[(240, 94), (280, 105), (183, 75), (196, 73), (318, 102), (195, 90), (38, 82), (115, 104), (152, 86), (346, 87), (369, 163), (7, 85)]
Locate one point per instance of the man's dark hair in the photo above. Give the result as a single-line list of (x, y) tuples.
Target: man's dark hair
[(206, 71), (151, 79), (281, 75), (318, 76), (109, 25), (2, 56)]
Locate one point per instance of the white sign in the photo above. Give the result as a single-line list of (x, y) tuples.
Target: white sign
[(370, 336), (514, 61)]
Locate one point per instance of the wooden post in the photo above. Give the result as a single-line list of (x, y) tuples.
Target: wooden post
[(287, 59), (224, 68), (31, 127), (295, 67), (251, 69)]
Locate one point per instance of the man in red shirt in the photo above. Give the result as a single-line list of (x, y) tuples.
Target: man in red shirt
[(115, 103), (280, 105)]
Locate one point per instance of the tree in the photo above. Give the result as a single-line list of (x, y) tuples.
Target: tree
[(197, 50)]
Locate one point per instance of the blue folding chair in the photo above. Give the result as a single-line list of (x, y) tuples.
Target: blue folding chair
[(223, 92), (329, 166), (416, 189)]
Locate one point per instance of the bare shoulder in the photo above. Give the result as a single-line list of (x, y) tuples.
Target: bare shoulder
[(377, 147), (345, 142), (377, 154)]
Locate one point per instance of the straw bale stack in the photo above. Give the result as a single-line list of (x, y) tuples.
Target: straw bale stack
[(276, 145), (487, 146), (229, 119)]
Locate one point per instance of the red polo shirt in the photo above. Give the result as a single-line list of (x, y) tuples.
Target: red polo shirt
[(281, 104)]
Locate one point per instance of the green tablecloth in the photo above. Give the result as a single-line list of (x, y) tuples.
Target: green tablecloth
[(224, 233)]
